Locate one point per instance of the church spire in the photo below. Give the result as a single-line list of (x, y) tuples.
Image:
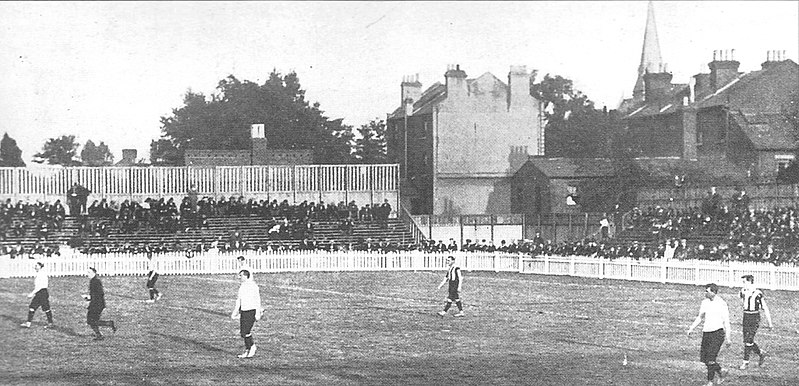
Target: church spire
[(650, 53)]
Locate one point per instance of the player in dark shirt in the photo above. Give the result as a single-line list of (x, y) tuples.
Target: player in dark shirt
[(455, 280), (96, 299)]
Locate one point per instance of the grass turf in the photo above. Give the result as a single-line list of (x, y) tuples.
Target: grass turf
[(381, 328)]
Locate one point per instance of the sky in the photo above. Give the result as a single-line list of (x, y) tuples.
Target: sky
[(108, 71)]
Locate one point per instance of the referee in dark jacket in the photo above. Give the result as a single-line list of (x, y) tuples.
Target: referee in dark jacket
[(96, 299)]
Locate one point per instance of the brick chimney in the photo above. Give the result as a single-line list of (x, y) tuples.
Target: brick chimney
[(656, 85), (723, 69), (518, 87), (456, 82), (129, 155), (410, 92), (773, 58), (701, 86)]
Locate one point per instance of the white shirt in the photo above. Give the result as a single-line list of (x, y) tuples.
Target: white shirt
[(40, 281), (716, 313), (249, 296)]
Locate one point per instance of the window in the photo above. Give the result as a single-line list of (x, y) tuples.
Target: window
[(783, 160)]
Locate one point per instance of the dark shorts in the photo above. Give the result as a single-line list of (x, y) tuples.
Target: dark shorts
[(246, 322), (41, 299), (711, 344), (151, 282), (750, 324), (93, 316), (453, 294)]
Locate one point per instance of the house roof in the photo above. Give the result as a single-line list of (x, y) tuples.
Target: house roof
[(670, 103), (572, 167), (767, 131), (757, 90)]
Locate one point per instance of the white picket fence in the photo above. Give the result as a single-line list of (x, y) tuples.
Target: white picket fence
[(672, 271), (686, 272)]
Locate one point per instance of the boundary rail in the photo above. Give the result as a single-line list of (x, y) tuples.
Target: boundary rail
[(176, 263)]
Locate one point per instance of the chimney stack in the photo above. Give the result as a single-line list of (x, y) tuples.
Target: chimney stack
[(518, 87), (773, 58), (656, 85), (456, 82), (410, 91), (723, 69)]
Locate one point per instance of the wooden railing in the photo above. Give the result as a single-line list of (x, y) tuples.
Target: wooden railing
[(673, 271)]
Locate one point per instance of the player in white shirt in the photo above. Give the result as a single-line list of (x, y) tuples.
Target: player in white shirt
[(41, 298), (715, 331), (247, 310), (152, 277)]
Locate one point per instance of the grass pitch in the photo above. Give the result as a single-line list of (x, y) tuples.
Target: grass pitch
[(381, 328)]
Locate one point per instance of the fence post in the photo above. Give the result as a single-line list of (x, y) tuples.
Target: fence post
[(663, 268), (629, 268), (571, 265)]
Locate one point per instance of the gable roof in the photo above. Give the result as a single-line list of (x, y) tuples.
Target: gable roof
[(767, 131)]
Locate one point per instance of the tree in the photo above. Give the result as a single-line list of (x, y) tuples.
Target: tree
[(10, 153), (371, 146), (223, 121), (574, 127), (59, 151), (96, 155)]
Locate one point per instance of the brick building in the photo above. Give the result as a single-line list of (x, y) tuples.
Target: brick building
[(259, 154), (459, 143)]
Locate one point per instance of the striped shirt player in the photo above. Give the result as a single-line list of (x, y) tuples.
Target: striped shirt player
[(247, 310), (454, 278), (715, 331), (152, 276), (753, 303), (40, 295)]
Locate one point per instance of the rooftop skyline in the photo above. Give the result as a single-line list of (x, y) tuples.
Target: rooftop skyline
[(107, 71)]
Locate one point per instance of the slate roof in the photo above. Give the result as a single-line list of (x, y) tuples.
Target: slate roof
[(767, 131), (755, 90), (667, 105)]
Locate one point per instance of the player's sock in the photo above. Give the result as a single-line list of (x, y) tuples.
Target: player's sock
[(747, 351), (96, 329), (447, 305), (248, 342), (712, 369), (30, 315), (152, 293), (755, 348), (49, 314), (460, 305)]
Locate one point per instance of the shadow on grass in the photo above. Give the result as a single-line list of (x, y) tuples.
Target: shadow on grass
[(57, 328), (191, 342)]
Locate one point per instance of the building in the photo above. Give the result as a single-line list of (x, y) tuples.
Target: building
[(258, 154), (726, 116), (128, 157), (722, 128), (459, 143)]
